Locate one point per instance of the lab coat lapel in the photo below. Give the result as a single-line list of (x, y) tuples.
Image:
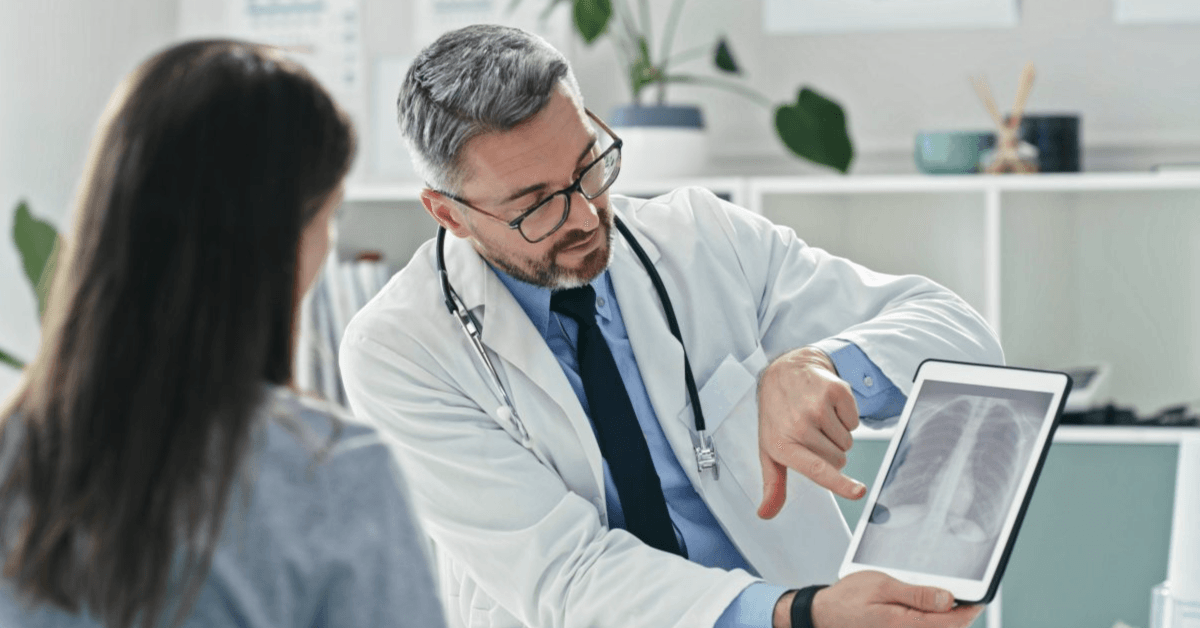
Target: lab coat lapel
[(659, 355), (508, 332)]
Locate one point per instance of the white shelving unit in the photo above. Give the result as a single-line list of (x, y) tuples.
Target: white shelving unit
[(1070, 269)]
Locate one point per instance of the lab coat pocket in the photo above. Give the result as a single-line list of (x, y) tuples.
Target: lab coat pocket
[(729, 398), (724, 391)]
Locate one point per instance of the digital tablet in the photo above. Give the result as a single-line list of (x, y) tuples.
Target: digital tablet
[(948, 501)]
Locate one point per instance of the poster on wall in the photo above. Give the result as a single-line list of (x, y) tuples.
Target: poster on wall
[(848, 16), (431, 18), (1156, 11), (390, 157), (434, 17), (324, 35)]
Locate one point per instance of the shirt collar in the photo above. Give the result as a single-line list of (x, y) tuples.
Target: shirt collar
[(535, 300)]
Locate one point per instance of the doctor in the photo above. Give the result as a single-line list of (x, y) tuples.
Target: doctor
[(545, 410)]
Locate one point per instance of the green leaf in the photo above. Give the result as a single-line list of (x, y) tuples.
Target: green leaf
[(8, 359), (643, 72), (37, 242), (591, 18), (723, 58), (814, 127)]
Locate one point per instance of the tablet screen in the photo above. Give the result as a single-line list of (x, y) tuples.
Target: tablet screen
[(956, 471)]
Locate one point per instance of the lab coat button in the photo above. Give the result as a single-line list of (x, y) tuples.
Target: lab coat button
[(868, 381)]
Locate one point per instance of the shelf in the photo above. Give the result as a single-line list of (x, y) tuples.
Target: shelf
[(976, 183), (732, 187), (748, 187), (383, 193), (1080, 434)]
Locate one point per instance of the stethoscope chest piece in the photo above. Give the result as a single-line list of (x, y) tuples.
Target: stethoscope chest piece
[(706, 456)]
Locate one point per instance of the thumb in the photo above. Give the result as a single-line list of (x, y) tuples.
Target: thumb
[(774, 486), (928, 599)]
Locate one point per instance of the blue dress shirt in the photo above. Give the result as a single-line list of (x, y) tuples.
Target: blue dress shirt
[(695, 526)]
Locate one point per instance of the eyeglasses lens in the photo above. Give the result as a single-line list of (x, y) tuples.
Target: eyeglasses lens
[(553, 213), (546, 219)]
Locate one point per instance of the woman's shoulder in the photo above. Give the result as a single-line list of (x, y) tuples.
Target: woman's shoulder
[(315, 476), (322, 439), (324, 500)]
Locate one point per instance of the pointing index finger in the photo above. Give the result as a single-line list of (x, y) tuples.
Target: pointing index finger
[(821, 472)]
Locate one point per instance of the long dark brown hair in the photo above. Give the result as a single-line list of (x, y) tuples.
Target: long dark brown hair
[(172, 308)]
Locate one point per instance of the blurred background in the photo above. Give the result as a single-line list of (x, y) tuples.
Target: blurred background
[(1091, 268)]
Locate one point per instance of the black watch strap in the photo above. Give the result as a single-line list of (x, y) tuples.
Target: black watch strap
[(802, 606)]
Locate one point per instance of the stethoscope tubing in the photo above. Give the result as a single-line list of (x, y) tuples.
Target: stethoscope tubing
[(705, 454)]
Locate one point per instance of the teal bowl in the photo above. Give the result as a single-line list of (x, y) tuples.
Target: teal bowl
[(951, 152)]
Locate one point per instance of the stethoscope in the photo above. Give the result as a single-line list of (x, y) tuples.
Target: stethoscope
[(706, 454)]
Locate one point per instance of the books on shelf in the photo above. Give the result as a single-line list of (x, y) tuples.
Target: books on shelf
[(341, 290)]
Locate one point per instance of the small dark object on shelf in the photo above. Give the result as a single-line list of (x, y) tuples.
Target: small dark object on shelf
[(1173, 416), (1056, 138), (1101, 415)]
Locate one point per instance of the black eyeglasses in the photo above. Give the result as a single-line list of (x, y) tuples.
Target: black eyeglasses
[(540, 221)]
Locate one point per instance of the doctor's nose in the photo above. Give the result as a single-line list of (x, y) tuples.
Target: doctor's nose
[(582, 212)]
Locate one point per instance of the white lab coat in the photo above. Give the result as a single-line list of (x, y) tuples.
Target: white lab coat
[(521, 530)]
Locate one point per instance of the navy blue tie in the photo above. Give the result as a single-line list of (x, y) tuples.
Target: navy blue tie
[(621, 440)]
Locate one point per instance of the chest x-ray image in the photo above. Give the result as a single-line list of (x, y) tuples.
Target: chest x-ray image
[(953, 479)]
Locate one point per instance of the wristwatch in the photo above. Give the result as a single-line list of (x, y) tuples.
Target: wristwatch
[(802, 606)]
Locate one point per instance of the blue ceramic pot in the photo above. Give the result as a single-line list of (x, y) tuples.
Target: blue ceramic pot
[(677, 116), (951, 152)]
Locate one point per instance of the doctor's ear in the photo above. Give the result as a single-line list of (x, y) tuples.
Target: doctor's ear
[(445, 211)]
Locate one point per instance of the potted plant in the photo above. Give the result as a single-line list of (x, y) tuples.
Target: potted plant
[(812, 127), (37, 243)]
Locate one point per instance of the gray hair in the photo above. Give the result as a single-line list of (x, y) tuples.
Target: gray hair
[(474, 80)]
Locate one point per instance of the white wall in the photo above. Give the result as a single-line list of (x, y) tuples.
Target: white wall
[(59, 60), (1136, 86)]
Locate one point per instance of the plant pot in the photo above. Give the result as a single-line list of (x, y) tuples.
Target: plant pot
[(661, 140)]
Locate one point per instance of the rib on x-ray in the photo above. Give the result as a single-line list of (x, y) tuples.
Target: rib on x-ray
[(943, 504)]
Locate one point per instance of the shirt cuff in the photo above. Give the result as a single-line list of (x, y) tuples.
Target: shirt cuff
[(754, 607), (877, 397)]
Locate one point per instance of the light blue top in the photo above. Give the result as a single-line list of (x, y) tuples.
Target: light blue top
[(695, 526), (318, 543)]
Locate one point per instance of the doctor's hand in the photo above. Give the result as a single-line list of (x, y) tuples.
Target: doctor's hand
[(872, 599), (805, 414)]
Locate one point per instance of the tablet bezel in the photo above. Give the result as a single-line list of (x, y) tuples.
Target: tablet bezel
[(969, 591)]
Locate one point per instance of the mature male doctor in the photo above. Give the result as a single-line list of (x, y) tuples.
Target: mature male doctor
[(530, 465)]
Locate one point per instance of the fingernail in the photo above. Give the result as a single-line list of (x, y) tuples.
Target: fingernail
[(860, 489), (943, 599)]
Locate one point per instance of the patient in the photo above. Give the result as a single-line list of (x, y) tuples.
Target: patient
[(155, 467)]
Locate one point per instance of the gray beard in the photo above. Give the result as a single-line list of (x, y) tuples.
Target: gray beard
[(555, 277)]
